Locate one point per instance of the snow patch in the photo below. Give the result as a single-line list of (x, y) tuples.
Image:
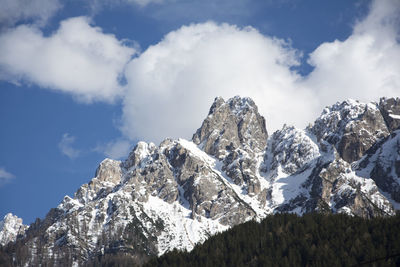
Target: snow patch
[(394, 116)]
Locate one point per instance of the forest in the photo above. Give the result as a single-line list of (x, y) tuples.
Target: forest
[(290, 240)]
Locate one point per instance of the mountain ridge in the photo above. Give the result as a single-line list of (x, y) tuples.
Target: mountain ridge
[(181, 192)]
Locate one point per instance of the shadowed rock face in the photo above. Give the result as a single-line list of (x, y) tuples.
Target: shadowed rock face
[(178, 193), (383, 165), (390, 109)]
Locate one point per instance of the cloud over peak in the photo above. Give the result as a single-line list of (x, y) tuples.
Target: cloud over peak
[(170, 86)]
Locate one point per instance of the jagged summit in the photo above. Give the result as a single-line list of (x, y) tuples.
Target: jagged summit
[(352, 127), (179, 193), (235, 123)]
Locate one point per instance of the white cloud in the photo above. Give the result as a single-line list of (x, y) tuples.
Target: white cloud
[(79, 59), (66, 148), (366, 65), (13, 11), (5, 176), (172, 84)]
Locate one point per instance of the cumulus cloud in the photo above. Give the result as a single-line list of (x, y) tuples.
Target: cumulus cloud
[(78, 58), (39, 11), (172, 84), (5, 176), (366, 65), (66, 146)]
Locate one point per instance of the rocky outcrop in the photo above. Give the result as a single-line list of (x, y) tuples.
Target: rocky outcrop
[(344, 191), (234, 132), (352, 127), (231, 125), (390, 109), (291, 149), (382, 164), (205, 188), (107, 176), (11, 228)]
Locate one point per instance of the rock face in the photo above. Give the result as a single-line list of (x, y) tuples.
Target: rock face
[(390, 109), (231, 125), (235, 133), (179, 193), (352, 127), (11, 228), (383, 165)]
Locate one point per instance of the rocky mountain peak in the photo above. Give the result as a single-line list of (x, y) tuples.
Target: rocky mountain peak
[(11, 227), (232, 124), (352, 127), (235, 133), (109, 170), (108, 174)]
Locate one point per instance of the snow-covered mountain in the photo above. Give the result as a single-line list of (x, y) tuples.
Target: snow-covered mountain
[(179, 193)]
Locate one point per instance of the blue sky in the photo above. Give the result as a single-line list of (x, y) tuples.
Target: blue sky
[(85, 80)]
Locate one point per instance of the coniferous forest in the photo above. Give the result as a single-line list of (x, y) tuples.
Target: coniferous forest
[(291, 240), (278, 240)]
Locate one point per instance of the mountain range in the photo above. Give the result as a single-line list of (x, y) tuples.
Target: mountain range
[(181, 192)]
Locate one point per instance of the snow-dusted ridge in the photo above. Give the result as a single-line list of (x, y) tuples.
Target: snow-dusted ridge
[(177, 194)]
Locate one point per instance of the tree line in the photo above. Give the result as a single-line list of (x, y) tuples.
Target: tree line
[(290, 240)]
